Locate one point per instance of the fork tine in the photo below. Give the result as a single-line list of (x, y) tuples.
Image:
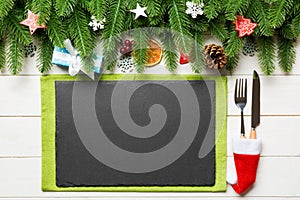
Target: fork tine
[(240, 88), (236, 90), (245, 90)]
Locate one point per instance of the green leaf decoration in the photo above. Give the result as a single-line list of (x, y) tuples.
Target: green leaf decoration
[(232, 62), (218, 29), (212, 8), (233, 8)]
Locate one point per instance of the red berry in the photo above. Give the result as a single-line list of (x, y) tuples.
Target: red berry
[(122, 50), (127, 43), (127, 48)]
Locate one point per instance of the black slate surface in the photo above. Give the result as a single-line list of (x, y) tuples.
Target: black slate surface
[(75, 166)]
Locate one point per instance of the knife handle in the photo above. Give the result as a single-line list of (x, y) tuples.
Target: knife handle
[(253, 133)]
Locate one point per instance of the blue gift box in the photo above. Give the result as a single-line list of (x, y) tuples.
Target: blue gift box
[(62, 57)]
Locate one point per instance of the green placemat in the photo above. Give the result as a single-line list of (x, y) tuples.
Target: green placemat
[(48, 135)]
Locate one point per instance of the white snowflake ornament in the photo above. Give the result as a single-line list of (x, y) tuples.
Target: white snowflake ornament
[(194, 9), (96, 24), (126, 64)]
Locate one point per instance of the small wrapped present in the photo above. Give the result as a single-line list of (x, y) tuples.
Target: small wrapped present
[(69, 57)]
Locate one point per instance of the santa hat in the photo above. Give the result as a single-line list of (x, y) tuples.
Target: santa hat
[(246, 153)]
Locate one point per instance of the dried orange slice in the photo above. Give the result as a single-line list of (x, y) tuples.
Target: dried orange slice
[(154, 54)]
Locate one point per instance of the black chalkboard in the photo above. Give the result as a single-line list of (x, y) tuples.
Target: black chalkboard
[(77, 166)]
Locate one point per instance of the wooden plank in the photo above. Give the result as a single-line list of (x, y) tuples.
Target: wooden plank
[(20, 136), (279, 134), (22, 178), (280, 95), (20, 96)]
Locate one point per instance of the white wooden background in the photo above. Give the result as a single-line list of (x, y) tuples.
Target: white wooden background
[(279, 170)]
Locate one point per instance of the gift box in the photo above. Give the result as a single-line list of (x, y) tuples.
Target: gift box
[(63, 58)]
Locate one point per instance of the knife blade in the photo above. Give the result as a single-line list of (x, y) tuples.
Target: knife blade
[(255, 111)]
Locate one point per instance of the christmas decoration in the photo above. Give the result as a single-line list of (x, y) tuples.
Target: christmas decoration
[(154, 53), (32, 22), (70, 20), (244, 26), (126, 64), (126, 48), (139, 11), (246, 154), (184, 58), (30, 50), (215, 57), (96, 24), (249, 48), (194, 9), (69, 57)]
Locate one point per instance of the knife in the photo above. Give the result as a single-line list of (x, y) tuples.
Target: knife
[(255, 112)]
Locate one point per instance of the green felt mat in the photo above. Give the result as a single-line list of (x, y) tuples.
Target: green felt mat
[(48, 135)]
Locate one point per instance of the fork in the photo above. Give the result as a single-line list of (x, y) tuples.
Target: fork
[(240, 98)]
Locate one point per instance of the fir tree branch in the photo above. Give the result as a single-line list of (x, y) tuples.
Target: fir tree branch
[(233, 7), (259, 14), (196, 56), (170, 51), (180, 23), (5, 7), (80, 32), (286, 53), (43, 9), (232, 62), (218, 29), (278, 11), (18, 30), (64, 7), (2, 54), (98, 8), (56, 30), (140, 49), (14, 54), (115, 25), (212, 8), (234, 44), (45, 52), (266, 54)]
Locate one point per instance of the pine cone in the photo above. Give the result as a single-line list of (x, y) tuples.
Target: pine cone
[(215, 57)]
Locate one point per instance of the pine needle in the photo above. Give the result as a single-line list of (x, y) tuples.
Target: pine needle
[(64, 7), (15, 54), (45, 52), (170, 53), (266, 54), (196, 56), (286, 53), (56, 30), (5, 7), (43, 9), (278, 11), (98, 8), (180, 23), (141, 39), (2, 54)]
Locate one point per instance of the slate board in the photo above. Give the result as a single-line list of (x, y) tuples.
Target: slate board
[(76, 166)]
